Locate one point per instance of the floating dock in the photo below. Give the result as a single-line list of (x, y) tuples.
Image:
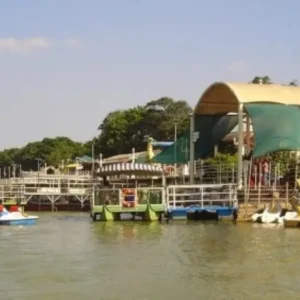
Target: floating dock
[(142, 203), (210, 201), (184, 201)]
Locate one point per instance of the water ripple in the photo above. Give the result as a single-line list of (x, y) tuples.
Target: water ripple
[(66, 256)]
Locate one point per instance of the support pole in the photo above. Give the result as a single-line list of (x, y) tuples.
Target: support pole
[(175, 149), (248, 135), (93, 158), (240, 147), (192, 148)]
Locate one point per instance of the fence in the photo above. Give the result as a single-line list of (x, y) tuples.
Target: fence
[(205, 194), (261, 184), (11, 193), (144, 196)]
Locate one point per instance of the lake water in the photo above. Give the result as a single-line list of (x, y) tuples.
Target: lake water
[(66, 256)]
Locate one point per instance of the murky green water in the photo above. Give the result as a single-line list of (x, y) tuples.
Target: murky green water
[(66, 256)]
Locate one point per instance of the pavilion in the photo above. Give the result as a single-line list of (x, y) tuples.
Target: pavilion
[(270, 112), (273, 109)]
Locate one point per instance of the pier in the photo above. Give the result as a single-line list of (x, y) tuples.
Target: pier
[(40, 191), (214, 186)]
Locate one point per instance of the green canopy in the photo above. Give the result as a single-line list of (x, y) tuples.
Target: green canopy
[(178, 153), (212, 129), (276, 127)]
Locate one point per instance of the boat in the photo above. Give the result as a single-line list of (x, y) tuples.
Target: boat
[(110, 203), (274, 214), (15, 216), (293, 220)]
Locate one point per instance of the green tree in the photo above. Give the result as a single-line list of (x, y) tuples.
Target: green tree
[(261, 79), (123, 130), (120, 132), (293, 83), (52, 150), (162, 114)]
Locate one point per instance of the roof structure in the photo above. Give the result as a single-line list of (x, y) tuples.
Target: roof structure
[(129, 169), (223, 97), (140, 157)]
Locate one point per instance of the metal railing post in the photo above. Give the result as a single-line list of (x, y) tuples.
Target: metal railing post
[(255, 177), (296, 176), (174, 197), (287, 193), (259, 173), (259, 194)]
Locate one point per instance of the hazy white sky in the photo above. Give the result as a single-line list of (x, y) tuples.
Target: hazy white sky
[(64, 64)]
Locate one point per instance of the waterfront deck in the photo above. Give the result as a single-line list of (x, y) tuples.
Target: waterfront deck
[(185, 199), (35, 189), (110, 204)]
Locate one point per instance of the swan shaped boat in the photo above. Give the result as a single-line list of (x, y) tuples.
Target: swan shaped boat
[(274, 215), (15, 216), (293, 221)]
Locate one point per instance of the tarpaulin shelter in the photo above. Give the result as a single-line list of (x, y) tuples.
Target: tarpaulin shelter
[(273, 109)]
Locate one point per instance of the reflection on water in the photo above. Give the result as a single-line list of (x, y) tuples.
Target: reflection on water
[(112, 232), (66, 256)]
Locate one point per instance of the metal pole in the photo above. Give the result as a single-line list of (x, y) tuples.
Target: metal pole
[(93, 158), (248, 135), (192, 148), (175, 148), (14, 170), (39, 161), (100, 160), (240, 146), (133, 155)]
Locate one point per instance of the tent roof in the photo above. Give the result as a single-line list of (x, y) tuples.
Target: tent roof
[(221, 97)]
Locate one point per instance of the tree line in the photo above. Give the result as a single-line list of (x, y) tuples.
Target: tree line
[(119, 132)]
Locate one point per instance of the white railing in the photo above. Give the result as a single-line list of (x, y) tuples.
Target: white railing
[(67, 191), (203, 194), (43, 174), (213, 174), (107, 196), (151, 195), (50, 180), (11, 193)]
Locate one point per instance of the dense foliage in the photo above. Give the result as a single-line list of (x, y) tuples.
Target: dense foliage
[(123, 130), (50, 150), (120, 131)]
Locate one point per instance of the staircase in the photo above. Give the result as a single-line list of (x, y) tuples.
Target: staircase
[(259, 198)]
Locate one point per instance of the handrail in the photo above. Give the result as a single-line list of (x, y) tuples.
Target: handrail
[(201, 194)]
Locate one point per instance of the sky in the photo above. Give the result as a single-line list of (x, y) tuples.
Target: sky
[(65, 64)]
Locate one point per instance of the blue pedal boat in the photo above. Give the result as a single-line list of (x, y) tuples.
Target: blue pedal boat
[(15, 216)]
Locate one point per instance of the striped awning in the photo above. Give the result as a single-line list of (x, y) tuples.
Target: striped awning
[(129, 168)]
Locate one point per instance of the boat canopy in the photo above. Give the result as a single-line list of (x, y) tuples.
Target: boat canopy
[(130, 169)]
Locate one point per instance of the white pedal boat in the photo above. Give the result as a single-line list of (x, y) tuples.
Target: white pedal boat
[(15, 217), (267, 217)]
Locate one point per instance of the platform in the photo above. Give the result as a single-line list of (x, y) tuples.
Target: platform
[(223, 212), (146, 212), (220, 199), (110, 203)]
